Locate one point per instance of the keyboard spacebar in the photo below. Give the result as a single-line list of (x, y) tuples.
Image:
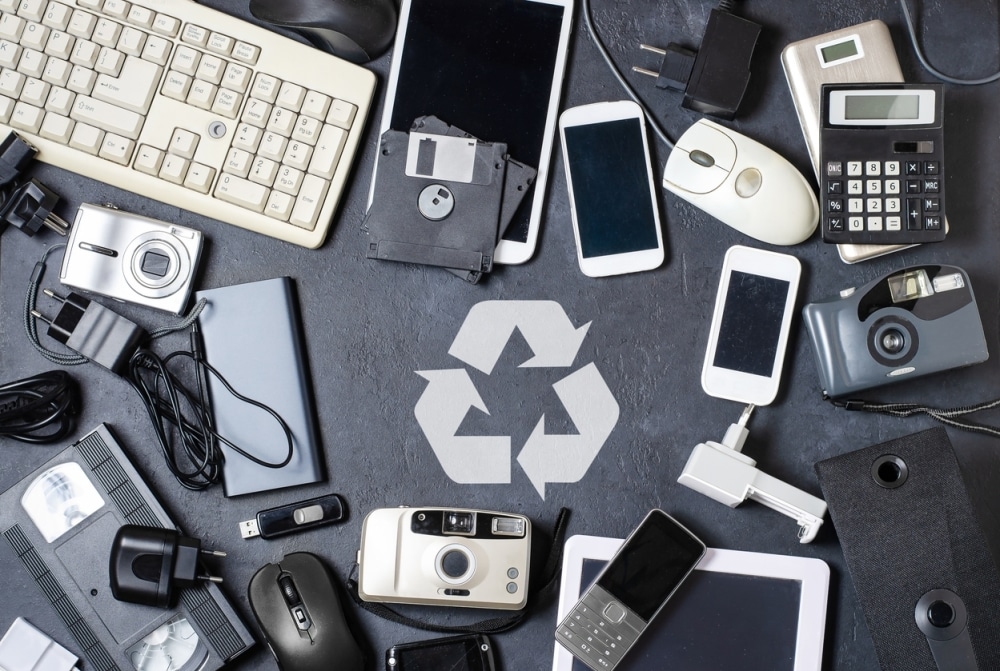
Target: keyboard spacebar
[(107, 117)]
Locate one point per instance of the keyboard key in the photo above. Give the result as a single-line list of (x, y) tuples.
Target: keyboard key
[(185, 60), (35, 92), (60, 45), (238, 162), (247, 138), (242, 192), (328, 150), (199, 177), (6, 107), (272, 146), (86, 138), (85, 53), (10, 54), (140, 16), (32, 63), (81, 24), (133, 89), (176, 85), (290, 96), (107, 117), (183, 143), (35, 36), (297, 155), (11, 27), (306, 130), (81, 80), (236, 77), (341, 114), (57, 128), (132, 41), (210, 69), (116, 149), (91, 4), (256, 112), (32, 10), (107, 32), (247, 53), (109, 61), (281, 121), (316, 105), (279, 205), (263, 171), (26, 117), (227, 103), (116, 8), (202, 94), (174, 169), (148, 160), (11, 83), (265, 87), (309, 202), (60, 101), (289, 180), (156, 50), (166, 25), (195, 35), (57, 16), (220, 44)]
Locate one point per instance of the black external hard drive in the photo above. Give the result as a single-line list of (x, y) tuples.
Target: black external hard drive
[(253, 337)]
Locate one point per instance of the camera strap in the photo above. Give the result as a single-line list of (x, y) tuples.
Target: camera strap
[(496, 625), (947, 416)]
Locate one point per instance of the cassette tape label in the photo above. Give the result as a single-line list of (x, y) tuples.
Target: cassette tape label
[(59, 499)]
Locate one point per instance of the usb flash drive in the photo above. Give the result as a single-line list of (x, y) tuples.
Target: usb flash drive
[(299, 516)]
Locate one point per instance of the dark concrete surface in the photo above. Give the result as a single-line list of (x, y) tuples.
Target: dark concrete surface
[(370, 325)]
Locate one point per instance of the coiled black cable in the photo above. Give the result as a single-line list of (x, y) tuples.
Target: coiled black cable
[(40, 408)]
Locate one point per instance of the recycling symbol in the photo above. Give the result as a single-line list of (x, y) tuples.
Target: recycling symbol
[(450, 394)]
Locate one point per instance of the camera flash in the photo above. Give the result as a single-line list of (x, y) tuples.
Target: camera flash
[(948, 282), (508, 526)]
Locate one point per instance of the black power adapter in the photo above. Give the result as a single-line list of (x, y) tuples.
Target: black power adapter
[(715, 77), (149, 565)]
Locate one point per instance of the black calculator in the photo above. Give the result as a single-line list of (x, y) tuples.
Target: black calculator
[(882, 164)]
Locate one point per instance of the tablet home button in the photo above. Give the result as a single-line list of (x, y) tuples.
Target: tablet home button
[(614, 613)]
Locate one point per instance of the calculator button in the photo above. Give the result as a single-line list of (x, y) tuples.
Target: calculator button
[(913, 186), (913, 219), (932, 222), (854, 168), (855, 205), (892, 204), (835, 224), (874, 205), (834, 187), (893, 223), (930, 167), (855, 223), (932, 186), (891, 168), (834, 169), (873, 168), (873, 186), (932, 205), (892, 186), (874, 223), (854, 187), (834, 205), (912, 167)]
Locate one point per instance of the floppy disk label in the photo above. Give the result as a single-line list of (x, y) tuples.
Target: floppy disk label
[(443, 157)]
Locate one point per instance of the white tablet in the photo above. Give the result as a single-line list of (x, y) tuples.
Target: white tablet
[(738, 610), (493, 68)]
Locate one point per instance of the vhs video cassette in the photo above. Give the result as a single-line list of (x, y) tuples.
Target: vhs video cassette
[(60, 522)]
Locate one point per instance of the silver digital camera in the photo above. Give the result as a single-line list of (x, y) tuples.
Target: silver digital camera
[(912, 322), (445, 556), (131, 258)]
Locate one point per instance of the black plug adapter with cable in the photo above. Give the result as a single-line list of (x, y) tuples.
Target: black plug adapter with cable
[(715, 77), (101, 335)]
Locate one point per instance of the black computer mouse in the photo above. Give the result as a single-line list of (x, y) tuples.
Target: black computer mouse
[(355, 30), (299, 612)]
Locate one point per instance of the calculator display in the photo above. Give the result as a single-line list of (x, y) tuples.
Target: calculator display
[(882, 107)]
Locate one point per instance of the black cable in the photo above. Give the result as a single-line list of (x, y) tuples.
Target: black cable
[(182, 419), (911, 29), (40, 408)]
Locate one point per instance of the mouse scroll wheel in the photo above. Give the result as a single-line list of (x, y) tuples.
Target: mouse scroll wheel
[(702, 158), (288, 591)]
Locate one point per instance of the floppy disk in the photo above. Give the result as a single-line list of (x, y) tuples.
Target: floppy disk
[(60, 521), (443, 198)]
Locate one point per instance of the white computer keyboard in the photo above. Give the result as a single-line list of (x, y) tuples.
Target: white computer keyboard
[(187, 105)]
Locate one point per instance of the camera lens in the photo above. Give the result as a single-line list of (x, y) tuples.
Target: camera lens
[(454, 564), (462, 523), (893, 341)]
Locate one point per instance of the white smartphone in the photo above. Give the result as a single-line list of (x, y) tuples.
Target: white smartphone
[(493, 68), (612, 195), (750, 325)]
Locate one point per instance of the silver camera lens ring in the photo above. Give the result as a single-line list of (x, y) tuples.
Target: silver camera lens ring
[(154, 241), (450, 550), (893, 341)]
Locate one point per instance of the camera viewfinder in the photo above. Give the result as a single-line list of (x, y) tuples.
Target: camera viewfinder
[(459, 523)]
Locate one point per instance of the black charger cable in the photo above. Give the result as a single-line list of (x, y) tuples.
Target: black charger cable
[(948, 416), (39, 409), (912, 31), (181, 419)]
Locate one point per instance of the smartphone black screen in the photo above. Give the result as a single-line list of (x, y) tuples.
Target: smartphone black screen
[(607, 164), (751, 324), (456, 653), (656, 558), (485, 66)]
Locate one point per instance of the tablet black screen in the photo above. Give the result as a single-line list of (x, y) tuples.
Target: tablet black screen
[(717, 622)]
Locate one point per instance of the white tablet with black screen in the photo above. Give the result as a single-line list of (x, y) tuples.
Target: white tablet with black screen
[(737, 610), (493, 68)]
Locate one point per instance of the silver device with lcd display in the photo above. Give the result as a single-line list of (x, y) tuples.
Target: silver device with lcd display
[(445, 557), (131, 258), (858, 54)]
